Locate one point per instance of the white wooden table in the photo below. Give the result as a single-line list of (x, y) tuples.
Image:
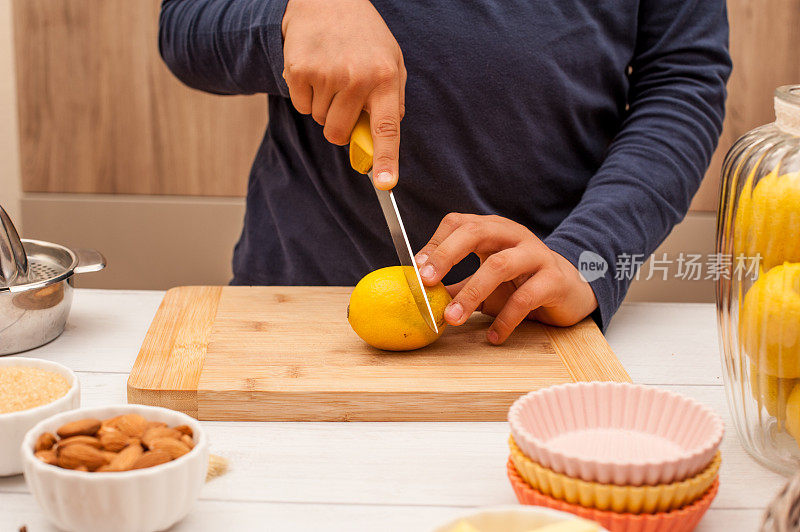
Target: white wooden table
[(386, 476)]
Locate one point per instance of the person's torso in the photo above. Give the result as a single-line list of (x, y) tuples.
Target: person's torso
[(510, 107)]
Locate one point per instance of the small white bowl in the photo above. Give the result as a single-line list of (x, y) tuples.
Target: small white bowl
[(14, 425), (142, 500), (512, 519)]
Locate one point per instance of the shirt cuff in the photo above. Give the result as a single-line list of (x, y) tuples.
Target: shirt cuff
[(603, 286), (270, 20)]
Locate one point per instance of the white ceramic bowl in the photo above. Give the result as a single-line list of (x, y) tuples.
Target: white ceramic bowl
[(143, 500), (511, 519), (14, 425)]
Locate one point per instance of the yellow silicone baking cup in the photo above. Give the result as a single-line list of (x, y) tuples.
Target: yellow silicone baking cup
[(621, 499)]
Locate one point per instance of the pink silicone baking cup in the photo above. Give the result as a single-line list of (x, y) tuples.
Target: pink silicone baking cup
[(616, 433), (683, 520)]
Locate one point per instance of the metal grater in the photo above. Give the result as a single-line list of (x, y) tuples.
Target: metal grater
[(36, 287), (39, 270)]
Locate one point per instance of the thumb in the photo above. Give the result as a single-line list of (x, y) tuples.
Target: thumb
[(384, 116)]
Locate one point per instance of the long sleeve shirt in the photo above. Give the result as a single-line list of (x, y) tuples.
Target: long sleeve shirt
[(591, 122)]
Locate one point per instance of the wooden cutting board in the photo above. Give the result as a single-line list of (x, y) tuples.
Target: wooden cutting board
[(288, 354)]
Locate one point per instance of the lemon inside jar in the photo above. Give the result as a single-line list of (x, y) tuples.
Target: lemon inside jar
[(770, 322), (768, 219)]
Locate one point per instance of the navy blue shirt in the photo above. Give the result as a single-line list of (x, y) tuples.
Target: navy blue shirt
[(591, 122)]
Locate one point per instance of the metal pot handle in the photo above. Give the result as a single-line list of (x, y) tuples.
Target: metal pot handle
[(89, 260)]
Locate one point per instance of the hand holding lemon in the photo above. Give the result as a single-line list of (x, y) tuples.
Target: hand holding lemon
[(519, 278)]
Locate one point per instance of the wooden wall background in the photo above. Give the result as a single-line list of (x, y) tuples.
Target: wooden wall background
[(765, 42), (101, 114)]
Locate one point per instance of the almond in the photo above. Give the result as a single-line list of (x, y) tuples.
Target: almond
[(87, 440), (44, 442), (175, 448), (186, 429), (109, 423), (105, 430), (126, 458), (119, 443), (156, 433), (152, 458), (114, 441), (109, 455), (132, 425), (80, 454), (48, 456), (85, 427)]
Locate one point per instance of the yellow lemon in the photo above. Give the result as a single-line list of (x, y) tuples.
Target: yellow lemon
[(744, 229), (769, 325), (383, 313), (771, 392), (768, 219), (793, 413)]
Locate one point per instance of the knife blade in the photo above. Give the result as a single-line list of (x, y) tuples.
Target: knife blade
[(403, 248), (361, 161)]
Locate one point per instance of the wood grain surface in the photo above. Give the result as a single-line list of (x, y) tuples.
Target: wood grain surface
[(764, 39), (99, 112), (288, 354), (171, 357)]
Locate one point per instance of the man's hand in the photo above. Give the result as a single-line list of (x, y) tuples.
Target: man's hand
[(519, 275), (340, 58)]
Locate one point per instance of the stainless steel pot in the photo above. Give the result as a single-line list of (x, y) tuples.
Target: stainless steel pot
[(36, 285)]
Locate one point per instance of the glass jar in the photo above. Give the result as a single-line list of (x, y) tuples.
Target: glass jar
[(758, 298)]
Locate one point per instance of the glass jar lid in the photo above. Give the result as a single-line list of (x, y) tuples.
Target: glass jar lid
[(787, 109)]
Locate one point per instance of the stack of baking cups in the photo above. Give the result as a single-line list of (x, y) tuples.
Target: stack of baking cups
[(633, 458)]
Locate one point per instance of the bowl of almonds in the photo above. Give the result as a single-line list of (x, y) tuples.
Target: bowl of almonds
[(116, 468)]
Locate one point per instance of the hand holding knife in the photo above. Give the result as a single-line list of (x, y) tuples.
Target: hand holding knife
[(361, 152)]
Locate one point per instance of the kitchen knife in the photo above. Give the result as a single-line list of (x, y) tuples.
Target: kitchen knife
[(361, 161)]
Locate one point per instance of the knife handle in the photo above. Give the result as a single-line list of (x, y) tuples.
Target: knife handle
[(361, 145)]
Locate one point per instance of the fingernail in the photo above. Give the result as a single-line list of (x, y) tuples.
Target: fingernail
[(384, 178), (427, 272), (422, 258), (453, 312), (493, 337)]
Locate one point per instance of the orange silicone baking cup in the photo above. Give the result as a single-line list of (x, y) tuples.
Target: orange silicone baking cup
[(621, 499), (683, 520)]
